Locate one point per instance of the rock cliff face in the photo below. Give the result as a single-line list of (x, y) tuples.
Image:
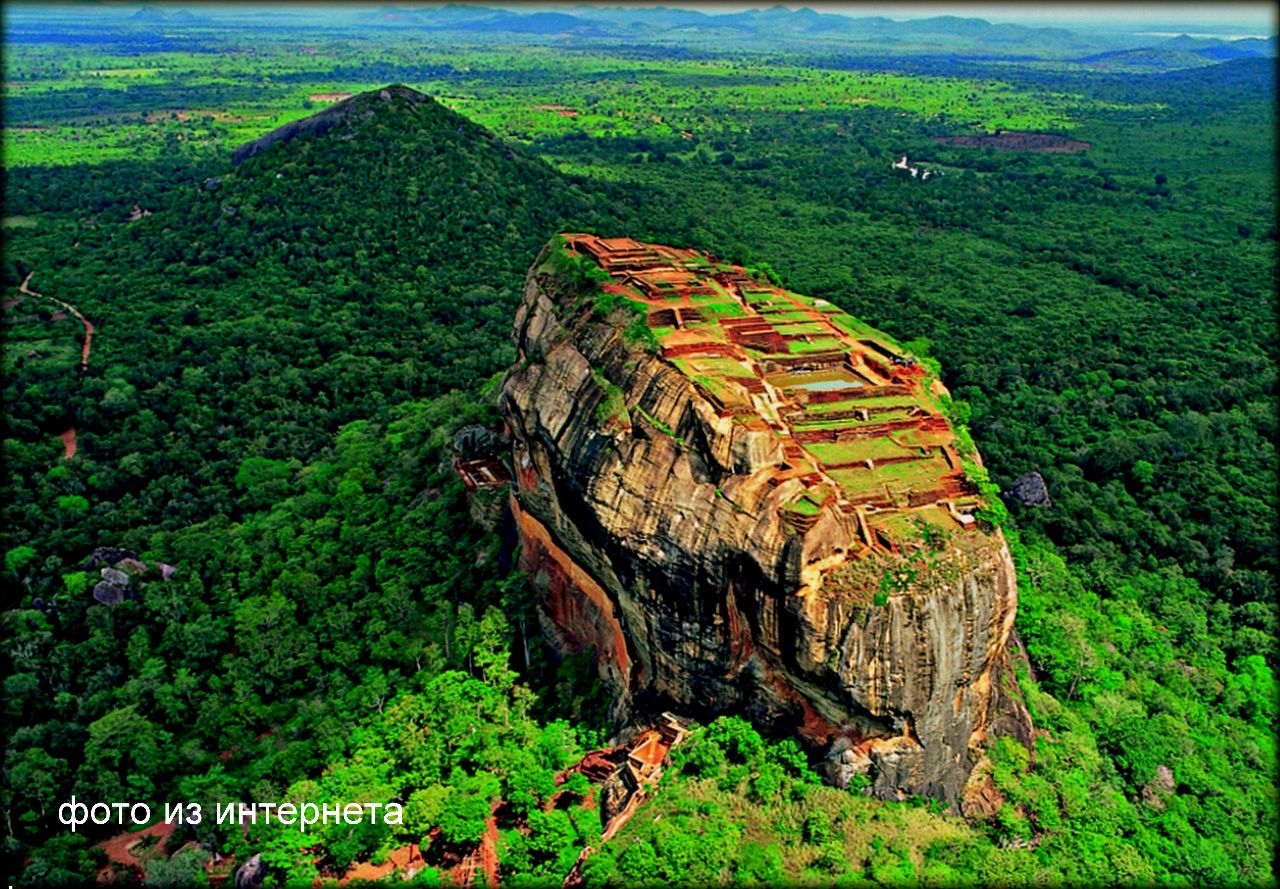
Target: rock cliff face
[(746, 501)]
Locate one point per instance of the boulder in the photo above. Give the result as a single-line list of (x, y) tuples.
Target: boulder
[(109, 593), (112, 575), (108, 556), (475, 442), (1029, 489), (250, 874)]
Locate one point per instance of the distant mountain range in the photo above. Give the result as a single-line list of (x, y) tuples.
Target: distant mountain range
[(773, 28), (656, 23), (152, 15), (1183, 52), (780, 27)]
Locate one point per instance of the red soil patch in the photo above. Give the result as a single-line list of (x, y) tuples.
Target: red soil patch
[(405, 859), (563, 110), (1008, 140), (489, 853), (68, 443), (484, 860), (120, 848)]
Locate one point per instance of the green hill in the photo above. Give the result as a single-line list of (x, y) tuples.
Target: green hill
[(369, 255), (368, 229), (343, 276)]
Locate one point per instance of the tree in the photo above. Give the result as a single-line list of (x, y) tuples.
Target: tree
[(18, 558), (124, 757), (528, 785), (1252, 692), (492, 650), (463, 822), (639, 864), (186, 868), (36, 776), (424, 809), (73, 503)]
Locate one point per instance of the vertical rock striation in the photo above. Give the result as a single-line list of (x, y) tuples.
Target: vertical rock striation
[(746, 501)]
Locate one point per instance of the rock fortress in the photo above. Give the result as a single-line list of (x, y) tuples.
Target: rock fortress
[(745, 500)]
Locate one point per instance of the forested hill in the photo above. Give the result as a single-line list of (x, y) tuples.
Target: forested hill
[(316, 283), (395, 104), (348, 280), (407, 217)]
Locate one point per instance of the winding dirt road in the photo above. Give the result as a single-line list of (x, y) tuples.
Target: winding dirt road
[(88, 325), (126, 850), (69, 435)]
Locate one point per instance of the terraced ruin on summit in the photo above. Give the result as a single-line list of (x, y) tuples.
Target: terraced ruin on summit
[(743, 500), (860, 421)]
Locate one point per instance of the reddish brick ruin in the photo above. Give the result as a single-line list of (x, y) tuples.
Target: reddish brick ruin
[(842, 398)]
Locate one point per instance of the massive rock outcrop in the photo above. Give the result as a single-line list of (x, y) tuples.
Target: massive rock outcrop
[(747, 501)]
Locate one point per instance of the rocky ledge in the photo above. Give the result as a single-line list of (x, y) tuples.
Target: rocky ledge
[(745, 500)]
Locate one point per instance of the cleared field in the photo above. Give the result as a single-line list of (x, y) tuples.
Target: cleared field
[(209, 101)]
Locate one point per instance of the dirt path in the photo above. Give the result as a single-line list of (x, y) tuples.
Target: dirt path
[(121, 849), (483, 861), (405, 859), (88, 325), (68, 436), (489, 851)]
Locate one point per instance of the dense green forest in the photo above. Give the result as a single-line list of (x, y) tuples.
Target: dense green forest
[(284, 348)]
